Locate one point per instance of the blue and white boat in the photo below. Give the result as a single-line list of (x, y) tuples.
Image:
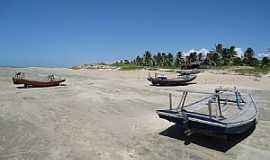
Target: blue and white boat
[(225, 111)]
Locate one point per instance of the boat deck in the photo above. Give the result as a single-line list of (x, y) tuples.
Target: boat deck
[(231, 113), (205, 109)]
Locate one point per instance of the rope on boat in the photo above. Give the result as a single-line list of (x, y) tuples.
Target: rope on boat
[(220, 91), (194, 91), (199, 101)]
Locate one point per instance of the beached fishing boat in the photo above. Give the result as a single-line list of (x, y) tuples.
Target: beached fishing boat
[(224, 112), (164, 81), (51, 81), (188, 72)]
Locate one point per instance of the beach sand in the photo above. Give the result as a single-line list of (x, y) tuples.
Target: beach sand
[(105, 114)]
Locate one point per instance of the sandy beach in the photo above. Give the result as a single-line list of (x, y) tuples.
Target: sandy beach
[(106, 114)]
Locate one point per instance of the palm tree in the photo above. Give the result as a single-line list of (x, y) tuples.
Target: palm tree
[(147, 58), (232, 52), (265, 62), (249, 56), (193, 57), (200, 57), (159, 59), (178, 59), (154, 60), (219, 48), (225, 56), (249, 53), (170, 59), (216, 58), (139, 61), (213, 57), (163, 59)]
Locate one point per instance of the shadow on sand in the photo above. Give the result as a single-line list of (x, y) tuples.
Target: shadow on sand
[(23, 87), (216, 142), (184, 84)]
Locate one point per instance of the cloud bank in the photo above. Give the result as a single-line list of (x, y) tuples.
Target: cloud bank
[(204, 51), (240, 52), (261, 55)]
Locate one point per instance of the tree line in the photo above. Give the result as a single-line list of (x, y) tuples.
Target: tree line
[(220, 56)]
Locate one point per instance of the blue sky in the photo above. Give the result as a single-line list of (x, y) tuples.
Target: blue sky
[(70, 32)]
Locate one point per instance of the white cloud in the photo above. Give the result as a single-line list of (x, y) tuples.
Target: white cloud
[(265, 54), (204, 51), (239, 52)]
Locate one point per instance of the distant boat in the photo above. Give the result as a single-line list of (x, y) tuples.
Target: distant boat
[(188, 72), (164, 81), (51, 81), (224, 112)]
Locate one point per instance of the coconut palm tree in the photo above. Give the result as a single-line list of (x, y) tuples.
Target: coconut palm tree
[(147, 59), (178, 59), (170, 60)]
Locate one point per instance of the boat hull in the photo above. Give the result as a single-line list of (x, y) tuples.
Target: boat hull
[(188, 72), (169, 82), (174, 117), (34, 83)]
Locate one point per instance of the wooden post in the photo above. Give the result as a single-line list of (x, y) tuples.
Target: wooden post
[(183, 103), (180, 103), (187, 129), (218, 101), (170, 100), (237, 99), (219, 107), (209, 108)]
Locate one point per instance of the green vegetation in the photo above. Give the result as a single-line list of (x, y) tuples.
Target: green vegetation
[(219, 58), (75, 67)]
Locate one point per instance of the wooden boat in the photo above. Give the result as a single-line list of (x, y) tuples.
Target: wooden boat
[(51, 81), (225, 112), (188, 72), (164, 81)]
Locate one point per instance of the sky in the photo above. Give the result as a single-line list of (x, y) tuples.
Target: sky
[(64, 33)]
